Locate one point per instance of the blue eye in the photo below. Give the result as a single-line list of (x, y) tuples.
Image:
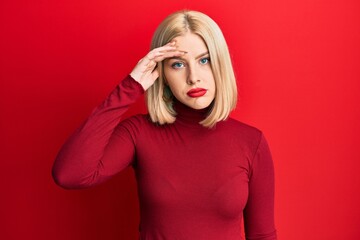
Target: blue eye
[(205, 60), (177, 65)]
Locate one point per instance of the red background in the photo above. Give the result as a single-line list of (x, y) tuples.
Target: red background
[(298, 68)]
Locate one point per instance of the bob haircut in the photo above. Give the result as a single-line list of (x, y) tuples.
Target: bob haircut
[(158, 96)]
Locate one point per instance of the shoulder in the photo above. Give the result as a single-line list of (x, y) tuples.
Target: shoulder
[(134, 122), (241, 128), (246, 135), (132, 127)]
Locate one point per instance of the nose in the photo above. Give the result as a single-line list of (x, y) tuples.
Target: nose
[(192, 77)]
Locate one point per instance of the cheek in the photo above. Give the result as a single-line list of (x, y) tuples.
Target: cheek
[(170, 74), (175, 87), (208, 74), (174, 79)]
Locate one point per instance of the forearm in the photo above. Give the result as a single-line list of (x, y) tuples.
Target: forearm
[(80, 162)]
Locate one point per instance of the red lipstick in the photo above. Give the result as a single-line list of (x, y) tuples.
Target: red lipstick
[(196, 92)]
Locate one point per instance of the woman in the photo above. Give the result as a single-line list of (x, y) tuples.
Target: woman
[(198, 171)]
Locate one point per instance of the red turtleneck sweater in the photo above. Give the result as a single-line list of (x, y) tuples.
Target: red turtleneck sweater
[(193, 182)]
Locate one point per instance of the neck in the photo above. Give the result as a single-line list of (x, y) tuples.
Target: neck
[(188, 115)]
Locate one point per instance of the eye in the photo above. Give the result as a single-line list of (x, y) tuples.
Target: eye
[(177, 65), (205, 60)]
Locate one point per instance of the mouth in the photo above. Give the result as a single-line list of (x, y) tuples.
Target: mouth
[(196, 92)]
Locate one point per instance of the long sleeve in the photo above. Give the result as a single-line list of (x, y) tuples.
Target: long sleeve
[(99, 148), (259, 210)]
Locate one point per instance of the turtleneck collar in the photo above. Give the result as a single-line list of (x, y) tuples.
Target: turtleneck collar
[(188, 115)]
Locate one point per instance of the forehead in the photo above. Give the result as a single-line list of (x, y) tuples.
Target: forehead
[(192, 43)]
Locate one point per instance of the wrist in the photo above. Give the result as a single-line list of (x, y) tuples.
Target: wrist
[(144, 88)]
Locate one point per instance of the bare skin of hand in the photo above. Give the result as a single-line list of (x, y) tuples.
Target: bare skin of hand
[(146, 72)]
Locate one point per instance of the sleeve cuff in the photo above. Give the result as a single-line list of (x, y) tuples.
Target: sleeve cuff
[(131, 82)]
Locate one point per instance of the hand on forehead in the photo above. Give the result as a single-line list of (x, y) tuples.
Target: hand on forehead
[(192, 44)]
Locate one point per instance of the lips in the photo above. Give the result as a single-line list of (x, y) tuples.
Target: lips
[(196, 92)]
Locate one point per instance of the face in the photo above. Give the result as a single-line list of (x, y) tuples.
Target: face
[(190, 76)]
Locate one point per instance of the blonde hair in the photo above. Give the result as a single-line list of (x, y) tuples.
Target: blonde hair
[(177, 24)]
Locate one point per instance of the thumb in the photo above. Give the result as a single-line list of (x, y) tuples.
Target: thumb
[(155, 74)]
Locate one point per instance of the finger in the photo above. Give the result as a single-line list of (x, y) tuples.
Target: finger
[(155, 74), (165, 48), (168, 47), (150, 66), (151, 57), (160, 56), (166, 55), (177, 53), (158, 52)]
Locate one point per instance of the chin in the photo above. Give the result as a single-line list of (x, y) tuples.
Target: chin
[(199, 106)]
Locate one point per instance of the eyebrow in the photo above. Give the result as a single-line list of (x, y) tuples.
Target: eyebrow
[(199, 56)]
